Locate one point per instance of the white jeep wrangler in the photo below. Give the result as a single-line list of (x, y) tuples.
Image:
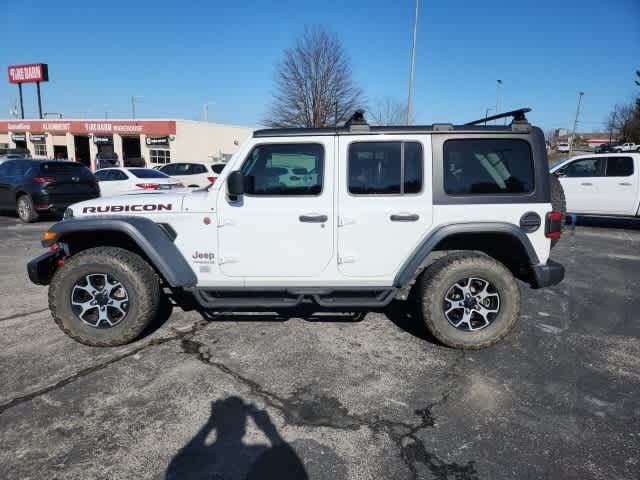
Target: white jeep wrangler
[(351, 217)]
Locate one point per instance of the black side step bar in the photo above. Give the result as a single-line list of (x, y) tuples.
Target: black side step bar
[(292, 297)]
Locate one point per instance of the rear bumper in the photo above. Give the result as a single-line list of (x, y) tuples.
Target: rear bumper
[(58, 203), (545, 275), (42, 268)]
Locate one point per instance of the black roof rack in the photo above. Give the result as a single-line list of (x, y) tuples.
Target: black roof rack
[(517, 115)]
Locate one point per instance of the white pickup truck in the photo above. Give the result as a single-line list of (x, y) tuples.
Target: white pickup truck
[(605, 184), (627, 147)]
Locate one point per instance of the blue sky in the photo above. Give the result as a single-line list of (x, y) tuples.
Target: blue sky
[(179, 55)]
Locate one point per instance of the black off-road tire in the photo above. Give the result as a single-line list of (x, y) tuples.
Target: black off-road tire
[(558, 202), (438, 278), (136, 275), (26, 210)]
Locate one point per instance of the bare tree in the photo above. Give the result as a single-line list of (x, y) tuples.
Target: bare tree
[(389, 111), (314, 87), (624, 122)]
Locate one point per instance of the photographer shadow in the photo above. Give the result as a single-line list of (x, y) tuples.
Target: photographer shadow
[(227, 457)]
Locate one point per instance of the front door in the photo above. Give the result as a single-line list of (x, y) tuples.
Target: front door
[(384, 202), (580, 180), (283, 225)]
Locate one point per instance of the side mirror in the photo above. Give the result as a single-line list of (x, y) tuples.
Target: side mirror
[(235, 184)]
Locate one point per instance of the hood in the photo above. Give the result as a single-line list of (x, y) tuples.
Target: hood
[(133, 204)]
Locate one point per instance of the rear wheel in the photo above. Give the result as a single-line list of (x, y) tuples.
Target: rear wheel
[(468, 300), (26, 209), (104, 296)]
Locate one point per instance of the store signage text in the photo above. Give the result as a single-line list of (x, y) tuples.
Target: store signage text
[(37, 137), (19, 137), (121, 127), (157, 140), (102, 139), (33, 72)]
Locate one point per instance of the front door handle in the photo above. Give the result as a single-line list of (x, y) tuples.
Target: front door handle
[(405, 217), (625, 184), (586, 184), (313, 218)]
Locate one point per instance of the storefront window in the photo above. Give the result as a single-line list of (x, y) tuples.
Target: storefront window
[(40, 149), (159, 157)]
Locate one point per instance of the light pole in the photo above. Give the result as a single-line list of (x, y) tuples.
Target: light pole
[(575, 123), (134, 99), (205, 110), (412, 66), (486, 114), (498, 84)]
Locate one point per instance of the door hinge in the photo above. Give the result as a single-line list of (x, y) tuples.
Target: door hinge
[(343, 221), (346, 259), (222, 260)]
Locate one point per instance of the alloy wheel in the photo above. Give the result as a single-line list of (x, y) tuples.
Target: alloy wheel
[(471, 304), (99, 300)]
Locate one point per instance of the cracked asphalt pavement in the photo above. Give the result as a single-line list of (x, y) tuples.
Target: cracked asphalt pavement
[(332, 396)]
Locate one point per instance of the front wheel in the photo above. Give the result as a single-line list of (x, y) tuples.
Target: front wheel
[(468, 300), (104, 296)]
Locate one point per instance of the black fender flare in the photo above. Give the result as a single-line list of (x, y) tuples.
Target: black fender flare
[(145, 233), (413, 262)]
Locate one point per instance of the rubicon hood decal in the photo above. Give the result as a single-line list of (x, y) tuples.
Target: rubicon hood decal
[(148, 207)]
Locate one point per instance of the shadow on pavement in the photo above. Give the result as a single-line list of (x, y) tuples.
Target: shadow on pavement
[(604, 222), (228, 457)]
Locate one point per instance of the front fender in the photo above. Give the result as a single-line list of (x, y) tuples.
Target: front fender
[(145, 233)]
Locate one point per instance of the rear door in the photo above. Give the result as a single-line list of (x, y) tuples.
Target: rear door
[(384, 202), (5, 186), (619, 187)]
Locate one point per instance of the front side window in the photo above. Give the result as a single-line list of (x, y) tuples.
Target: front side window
[(284, 169), (619, 166), (385, 168), (586, 167), (487, 166)]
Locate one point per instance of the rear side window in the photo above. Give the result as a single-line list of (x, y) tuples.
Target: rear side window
[(196, 169), (619, 166), (217, 168), (385, 168), (284, 169), (487, 166), (147, 173)]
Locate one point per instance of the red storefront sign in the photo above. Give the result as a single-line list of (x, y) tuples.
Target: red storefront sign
[(33, 72), (85, 127)]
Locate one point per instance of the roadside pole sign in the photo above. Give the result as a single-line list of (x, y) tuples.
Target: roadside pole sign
[(29, 73)]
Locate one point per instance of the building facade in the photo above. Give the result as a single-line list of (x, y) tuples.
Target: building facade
[(132, 142)]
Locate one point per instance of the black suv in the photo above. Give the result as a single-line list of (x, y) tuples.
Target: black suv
[(34, 187)]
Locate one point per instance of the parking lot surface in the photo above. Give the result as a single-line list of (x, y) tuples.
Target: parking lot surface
[(332, 396)]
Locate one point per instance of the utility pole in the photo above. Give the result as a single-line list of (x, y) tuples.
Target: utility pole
[(486, 113), (205, 110), (134, 99), (412, 67), (498, 83), (575, 123)]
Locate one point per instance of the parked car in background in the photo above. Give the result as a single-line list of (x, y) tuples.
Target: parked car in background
[(118, 181), (20, 152), (626, 147), (193, 174), (601, 185), (605, 148), (11, 156), (35, 187), (562, 147)]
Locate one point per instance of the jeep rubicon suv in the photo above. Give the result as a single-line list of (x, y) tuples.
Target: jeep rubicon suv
[(348, 217)]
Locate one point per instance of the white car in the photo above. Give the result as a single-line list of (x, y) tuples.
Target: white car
[(606, 184), (562, 147), (193, 174), (118, 181)]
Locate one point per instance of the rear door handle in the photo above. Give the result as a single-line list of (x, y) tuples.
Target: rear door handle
[(313, 218), (625, 184), (587, 184), (405, 217)]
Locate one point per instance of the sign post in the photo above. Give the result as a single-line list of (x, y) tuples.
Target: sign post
[(30, 73)]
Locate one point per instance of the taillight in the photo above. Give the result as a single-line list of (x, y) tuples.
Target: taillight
[(553, 225), (43, 180), (212, 179), (148, 186)]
